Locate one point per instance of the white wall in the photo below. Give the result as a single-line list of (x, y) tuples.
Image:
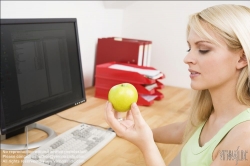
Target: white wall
[(94, 21), (164, 22)]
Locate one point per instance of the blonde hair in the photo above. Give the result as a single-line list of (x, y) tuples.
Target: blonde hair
[(232, 24)]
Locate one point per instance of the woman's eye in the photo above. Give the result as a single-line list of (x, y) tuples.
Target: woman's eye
[(203, 51)]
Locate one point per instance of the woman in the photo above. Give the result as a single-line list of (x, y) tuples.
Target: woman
[(218, 130)]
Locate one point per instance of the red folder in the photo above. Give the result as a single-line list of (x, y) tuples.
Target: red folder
[(147, 47), (123, 50)]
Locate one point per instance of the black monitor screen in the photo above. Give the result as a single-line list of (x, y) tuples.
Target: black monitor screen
[(41, 70)]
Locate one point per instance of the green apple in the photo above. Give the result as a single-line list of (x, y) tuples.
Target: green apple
[(122, 96)]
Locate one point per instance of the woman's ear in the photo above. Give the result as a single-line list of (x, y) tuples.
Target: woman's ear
[(242, 62)]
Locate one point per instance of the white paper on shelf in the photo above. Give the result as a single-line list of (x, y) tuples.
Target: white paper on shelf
[(156, 76), (151, 86), (147, 72), (149, 97)]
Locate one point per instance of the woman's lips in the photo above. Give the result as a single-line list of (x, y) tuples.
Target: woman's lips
[(193, 73)]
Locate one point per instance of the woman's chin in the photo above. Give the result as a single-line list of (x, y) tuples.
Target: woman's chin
[(197, 87)]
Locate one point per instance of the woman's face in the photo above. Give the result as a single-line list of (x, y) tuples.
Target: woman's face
[(211, 66)]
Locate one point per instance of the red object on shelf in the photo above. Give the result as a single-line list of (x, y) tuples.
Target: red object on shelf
[(159, 85), (103, 71), (107, 77), (123, 50)]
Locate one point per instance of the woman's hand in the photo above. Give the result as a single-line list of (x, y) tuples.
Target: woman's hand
[(133, 128)]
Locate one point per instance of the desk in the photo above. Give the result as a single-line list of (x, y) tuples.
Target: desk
[(172, 108)]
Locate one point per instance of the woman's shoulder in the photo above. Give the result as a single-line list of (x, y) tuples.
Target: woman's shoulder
[(242, 128), (240, 131), (235, 146), (239, 136)]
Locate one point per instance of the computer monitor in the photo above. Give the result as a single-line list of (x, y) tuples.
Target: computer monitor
[(41, 72)]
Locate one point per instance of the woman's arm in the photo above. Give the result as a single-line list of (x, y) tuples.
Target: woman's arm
[(152, 155), (170, 134)]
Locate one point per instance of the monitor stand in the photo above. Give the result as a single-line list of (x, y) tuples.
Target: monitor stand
[(51, 134)]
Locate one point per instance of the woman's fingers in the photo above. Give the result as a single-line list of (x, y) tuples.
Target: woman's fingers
[(110, 113), (129, 115), (111, 119), (138, 119)]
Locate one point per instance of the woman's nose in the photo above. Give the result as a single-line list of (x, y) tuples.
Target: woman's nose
[(189, 58)]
